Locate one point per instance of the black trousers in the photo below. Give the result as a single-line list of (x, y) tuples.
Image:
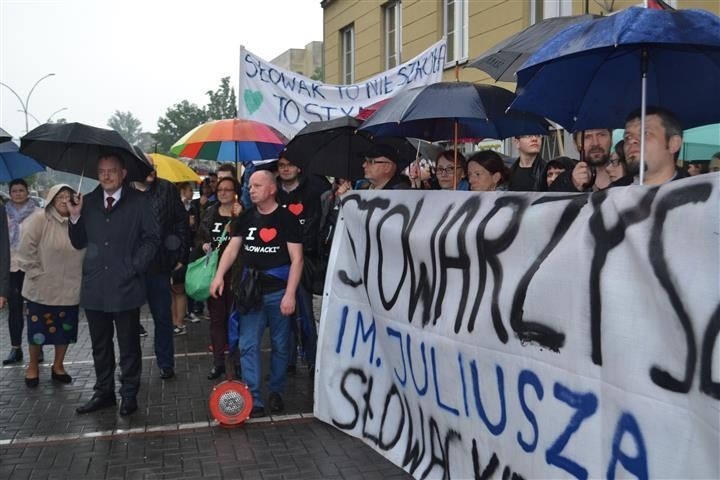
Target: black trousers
[(127, 325), (16, 320)]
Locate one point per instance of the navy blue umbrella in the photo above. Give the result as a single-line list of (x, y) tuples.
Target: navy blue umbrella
[(591, 74), (452, 110), (14, 164)]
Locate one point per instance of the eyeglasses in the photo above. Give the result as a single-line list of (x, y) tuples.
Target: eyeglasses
[(445, 171), (614, 162), (373, 161)]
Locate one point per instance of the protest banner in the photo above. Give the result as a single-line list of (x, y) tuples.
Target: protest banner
[(288, 101), (528, 335)]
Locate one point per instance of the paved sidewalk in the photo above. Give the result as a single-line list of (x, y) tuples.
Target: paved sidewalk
[(172, 435)]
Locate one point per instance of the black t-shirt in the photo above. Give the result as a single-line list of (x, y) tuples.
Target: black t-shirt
[(265, 237), (216, 230), (521, 180)]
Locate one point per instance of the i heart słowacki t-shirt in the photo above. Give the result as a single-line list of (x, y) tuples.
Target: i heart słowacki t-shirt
[(265, 237)]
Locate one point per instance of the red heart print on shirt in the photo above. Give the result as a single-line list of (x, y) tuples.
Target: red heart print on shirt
[(267, 234), (296, 208)]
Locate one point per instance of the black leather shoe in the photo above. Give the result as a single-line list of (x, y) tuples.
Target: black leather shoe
[(32, 382), (96, 403), (15, 356), (167, 373), (275, 402), (257, 412), (215, 372), (60, 377), (128, 406)]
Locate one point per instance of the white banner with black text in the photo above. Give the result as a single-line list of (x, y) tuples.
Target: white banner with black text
[(288, 101), (528, 335)]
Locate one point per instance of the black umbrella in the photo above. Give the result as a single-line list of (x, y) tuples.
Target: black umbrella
[(75, 148), (335, 148), (4, 136), (502, 60)]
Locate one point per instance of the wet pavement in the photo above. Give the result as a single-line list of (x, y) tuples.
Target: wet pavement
[(172, 435)]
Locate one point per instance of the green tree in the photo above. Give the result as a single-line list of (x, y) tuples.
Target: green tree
[(223, 102), (318, 74), (178, 120), (125, 123)]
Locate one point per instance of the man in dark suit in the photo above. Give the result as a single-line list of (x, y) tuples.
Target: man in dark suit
[(121, 234)]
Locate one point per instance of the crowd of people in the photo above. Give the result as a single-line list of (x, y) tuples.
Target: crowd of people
[(127, 244)]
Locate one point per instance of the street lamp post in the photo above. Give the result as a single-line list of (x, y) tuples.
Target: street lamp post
[(49, 116), (27, 99)]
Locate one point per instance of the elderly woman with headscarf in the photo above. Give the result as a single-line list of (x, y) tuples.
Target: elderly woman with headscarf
[(53, 270), (18, 209)]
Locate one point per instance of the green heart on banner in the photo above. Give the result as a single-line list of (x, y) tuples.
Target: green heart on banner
[(253, 100)]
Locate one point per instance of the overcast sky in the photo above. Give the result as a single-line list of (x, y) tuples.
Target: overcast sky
[(141, 56)]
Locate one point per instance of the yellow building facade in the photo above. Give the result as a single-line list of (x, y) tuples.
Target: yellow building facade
[(363, 38)]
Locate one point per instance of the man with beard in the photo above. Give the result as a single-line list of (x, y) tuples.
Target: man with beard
[(589, 174), (663, 140), (527, 173)]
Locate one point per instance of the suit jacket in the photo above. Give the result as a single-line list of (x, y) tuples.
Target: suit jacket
[(120, 245)]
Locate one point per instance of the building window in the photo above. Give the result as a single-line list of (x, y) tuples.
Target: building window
[(393, 33), (455, 20), (542, 9), (347, 41)]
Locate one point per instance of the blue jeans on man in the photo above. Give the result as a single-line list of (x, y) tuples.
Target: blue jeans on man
[(158, 296), (251, 329)]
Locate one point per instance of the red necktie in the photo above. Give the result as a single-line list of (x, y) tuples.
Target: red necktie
[(110, 201)]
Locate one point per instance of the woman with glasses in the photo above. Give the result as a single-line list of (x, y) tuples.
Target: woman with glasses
[(53, 271), (215, 232), (449, 176), (487, 172)]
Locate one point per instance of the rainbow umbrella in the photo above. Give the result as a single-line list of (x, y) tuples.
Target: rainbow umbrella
[(231, 140)]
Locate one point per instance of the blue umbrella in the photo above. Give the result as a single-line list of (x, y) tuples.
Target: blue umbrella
[(452, 110), (591, 74), (14, 164)]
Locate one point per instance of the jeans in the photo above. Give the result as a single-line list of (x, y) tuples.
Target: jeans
[(252, 326), (158, 296), (303, 325)]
